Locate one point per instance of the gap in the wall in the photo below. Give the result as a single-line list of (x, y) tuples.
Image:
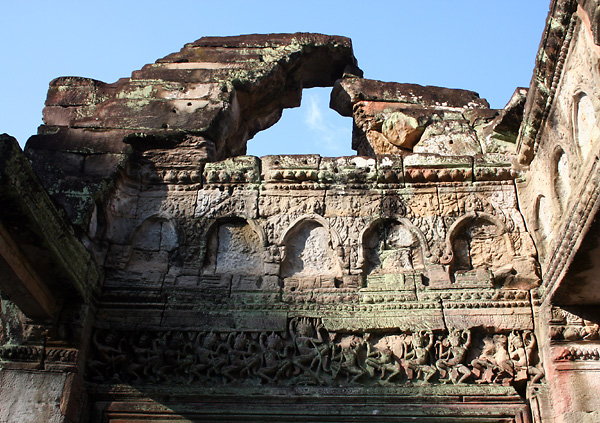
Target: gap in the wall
[(312, 128)]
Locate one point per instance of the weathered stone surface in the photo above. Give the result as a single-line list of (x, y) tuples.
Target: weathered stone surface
[(402, 130), (214, 94), (557, 145), (31, 396), (501, 135), (351, 90), (405, 277), (453, 138), (392, 118)]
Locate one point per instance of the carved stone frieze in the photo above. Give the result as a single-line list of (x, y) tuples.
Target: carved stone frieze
[(567, 326), (308, 354), (576, 353), (21, 353), (477, 245)]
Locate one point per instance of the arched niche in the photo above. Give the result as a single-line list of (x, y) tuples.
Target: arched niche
[(97, 223), (543, 221), (584, 123), (153, 242), (476, 244), (391, 246), (562, 183), (234, 246), (311, 255), (155, 234)]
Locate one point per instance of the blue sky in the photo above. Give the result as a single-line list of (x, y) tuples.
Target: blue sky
[(487, 46)]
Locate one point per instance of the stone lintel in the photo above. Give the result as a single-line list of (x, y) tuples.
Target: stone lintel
[(440, 403)]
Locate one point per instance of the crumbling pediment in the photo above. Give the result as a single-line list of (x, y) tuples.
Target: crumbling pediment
[(199, 105)]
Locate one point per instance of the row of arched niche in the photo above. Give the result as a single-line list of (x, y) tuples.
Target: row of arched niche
[(565, 158), (310, 248)]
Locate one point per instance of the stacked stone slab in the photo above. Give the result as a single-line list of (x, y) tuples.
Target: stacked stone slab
[(393, 118), (206, 101)]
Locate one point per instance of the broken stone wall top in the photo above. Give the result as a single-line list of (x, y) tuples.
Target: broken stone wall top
[(310, 268), (394, 118), (208, 99), (224, 89)]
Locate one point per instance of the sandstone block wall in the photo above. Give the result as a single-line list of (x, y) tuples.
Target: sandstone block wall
[(408, 266), (446, 272), (558, 196)]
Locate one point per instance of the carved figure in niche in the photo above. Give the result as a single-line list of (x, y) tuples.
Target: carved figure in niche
[(518, 356), (310, 258), (503, 362), (210, 355), (172, 347), (272, 254), (522, 351), (452, 354), (154, 243), (146, 358), (233, 248), (544, 219), (196, 367), (484, 365), (483, 245), (495, 363), (243, 356), (237, 345), (390, 247), (382, 360), (325, 362), (418, 357), (585, 124), (186, 359), (590, 330), (562, 184), (254, 358)]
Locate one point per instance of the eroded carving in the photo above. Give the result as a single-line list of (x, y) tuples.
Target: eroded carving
[(391, 247), (584, 123), (310, 256), (452, 356), (233, 247), (308, 354), (244, 250)]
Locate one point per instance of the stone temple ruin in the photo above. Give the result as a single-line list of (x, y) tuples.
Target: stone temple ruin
[(151, 271)]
